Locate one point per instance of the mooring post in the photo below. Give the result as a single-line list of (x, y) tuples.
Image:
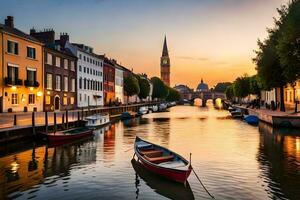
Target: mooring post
[(33, 123), (63, 121), (46, 121), (15, 119), (81, 113), (54, 115), (78, 118), (67, 119)]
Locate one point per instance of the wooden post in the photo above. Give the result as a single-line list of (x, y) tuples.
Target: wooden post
[(78, 118), (54, 122), (33, 123), (15, 120), (82, 114), (67, 119), (63, 121), (46, 121)]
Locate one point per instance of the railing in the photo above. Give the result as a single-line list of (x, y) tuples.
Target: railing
[(9, 81), (29, 83)]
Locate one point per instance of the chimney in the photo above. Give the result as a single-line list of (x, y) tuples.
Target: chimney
[(47, 36), (32, 31), (9, 21), (64, 37)]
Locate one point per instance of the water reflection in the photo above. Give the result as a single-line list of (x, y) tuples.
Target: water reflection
[(279, 158)]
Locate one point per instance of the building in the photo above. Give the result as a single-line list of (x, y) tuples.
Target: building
[(202, 87), (59, 73), (21, 88), (89, 73), (119, 79), (108, 82), (165, 64), (184, 91)]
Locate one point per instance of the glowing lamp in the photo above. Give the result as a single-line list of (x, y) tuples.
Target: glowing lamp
[(39, 93), (31, 88), (13, 87), (48, 92)]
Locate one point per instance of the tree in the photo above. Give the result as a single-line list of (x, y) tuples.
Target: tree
[(221, 87), (241, 87), (160, 91), (144, 87), (173, 95), (255, 85), (229, 92), (131, 86)]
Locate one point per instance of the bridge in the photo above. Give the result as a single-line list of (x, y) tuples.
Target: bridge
[(203, 95)]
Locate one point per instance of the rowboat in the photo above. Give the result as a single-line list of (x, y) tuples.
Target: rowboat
[(237, 113), (164, 187), (67, 135), (251, 119), (162, 161), (128, 115)]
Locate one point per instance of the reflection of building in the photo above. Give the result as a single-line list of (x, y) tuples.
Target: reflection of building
[(165, 64), (59, 73), (184, 91), (21, 87), (109, 143), (278, 156), (202, 87), (108, 81), (119, 76)]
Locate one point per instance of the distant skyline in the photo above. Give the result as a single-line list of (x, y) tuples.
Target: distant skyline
[(209, 39)]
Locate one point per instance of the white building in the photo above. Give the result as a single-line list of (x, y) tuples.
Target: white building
[(119, 92), (89, 75), (268, 96)]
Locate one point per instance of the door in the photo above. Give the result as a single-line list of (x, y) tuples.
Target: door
[(56, 103)]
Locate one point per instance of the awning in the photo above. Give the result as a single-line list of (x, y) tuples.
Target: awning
[(97, 96)]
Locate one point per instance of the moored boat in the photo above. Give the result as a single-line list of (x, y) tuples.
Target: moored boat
[(251, 119), (97, 120), (236, 113), (67, 135), (143, 110), (128, 115), (162, 161)]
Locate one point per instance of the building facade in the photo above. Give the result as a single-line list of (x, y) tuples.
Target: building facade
[(22, 70), (89, 74), (59, 73), (165, 64), (108, 82), (119, 80)]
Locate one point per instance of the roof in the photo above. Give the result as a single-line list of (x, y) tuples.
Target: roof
[(61, 50), (19, 33), (165, 48), (202, 86)]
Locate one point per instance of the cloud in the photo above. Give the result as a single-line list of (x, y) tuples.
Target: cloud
[(192, 58)]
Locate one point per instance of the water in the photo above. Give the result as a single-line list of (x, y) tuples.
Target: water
[(233, 159)]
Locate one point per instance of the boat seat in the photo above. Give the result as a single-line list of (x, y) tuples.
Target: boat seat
[(174, 164), (152, 153), (160, 159)]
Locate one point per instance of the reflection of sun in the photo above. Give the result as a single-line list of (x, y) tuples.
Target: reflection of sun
[(298, 145), (197, 102), (219, 103), (14, 167)]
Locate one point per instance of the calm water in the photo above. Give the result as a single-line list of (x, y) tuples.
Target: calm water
[(233, 159)]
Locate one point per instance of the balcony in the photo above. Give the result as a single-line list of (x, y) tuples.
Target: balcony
[(10, 82), (29, 83)]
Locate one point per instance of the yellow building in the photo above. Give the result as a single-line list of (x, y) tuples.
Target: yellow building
[(291, 94), (22, 70)]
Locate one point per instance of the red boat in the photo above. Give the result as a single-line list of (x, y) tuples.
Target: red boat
[(162, 161), (68, 135)]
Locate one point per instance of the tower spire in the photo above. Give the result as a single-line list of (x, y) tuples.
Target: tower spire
[(165, 48)]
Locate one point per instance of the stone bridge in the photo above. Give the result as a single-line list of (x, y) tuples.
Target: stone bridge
[(206, 95)]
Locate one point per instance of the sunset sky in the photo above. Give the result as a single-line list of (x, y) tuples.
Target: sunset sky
[(209, 39)]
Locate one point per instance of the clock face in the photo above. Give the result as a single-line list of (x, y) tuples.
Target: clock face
[(165, 61)]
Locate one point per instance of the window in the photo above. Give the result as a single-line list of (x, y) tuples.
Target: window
[(57, 83), (65, 101), (80, 68), (73, 85), (88, 84), (84, 69), (100, 86), (72, 66), (84, 58), (12, 72), (79, 97), (48, 99), (12, 47), (66, 80), (49, 81), (84, 83), (80, 83), (88, 59), (49, 59), (80, 56), (66, 63), (31, 75), (31, 52), (88, 70), (71, 100), (14, 99), (31, 99), (57, 62)]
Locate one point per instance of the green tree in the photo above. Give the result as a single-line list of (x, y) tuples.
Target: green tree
[(255, 85), (221, 87), (173, 95), (144, 87), (131, 86), (160, 91), (229, 92), (241, 87)]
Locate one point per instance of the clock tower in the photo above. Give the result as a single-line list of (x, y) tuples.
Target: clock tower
[(165, 64)]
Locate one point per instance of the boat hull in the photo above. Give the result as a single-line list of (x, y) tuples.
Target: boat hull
[(251, 119), (61, 137)]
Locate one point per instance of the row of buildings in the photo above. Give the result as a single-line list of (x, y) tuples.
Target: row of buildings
[(42, 73)]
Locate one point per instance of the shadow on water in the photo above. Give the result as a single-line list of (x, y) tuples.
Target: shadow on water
[(279, 161), (161, 186)]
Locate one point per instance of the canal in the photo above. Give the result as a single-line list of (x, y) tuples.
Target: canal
[(233, 159)]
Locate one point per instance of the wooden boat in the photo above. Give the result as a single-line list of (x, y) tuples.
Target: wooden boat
[(67, 135), (128, 115), (164, 187), (97, 120), (237, 113), (143, 110), (162, 161), (251, 119)]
